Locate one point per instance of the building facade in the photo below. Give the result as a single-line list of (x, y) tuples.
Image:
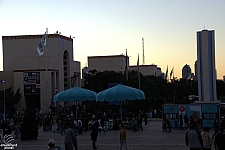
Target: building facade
[(159, 72), (39, 77), (196, 70), (147, 70), (119, 63), (108, 63), (206, 65)]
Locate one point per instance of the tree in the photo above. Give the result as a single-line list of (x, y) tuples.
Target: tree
[(11, 98), (220, 86), (98, 81), (157, 90)]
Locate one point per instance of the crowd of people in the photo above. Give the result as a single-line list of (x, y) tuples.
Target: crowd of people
[(97, 122), (196, 139), (184, 121), (12, 125), (70, 127)]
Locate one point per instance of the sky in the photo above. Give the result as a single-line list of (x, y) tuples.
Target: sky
[(109, 27)]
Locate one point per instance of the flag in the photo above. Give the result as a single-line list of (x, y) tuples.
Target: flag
[(171, 73), (166, 71), (40, 47), (126, 66), (138, 63)]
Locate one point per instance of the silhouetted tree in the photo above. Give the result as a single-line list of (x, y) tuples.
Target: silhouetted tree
[(11, 98), (157, 90)]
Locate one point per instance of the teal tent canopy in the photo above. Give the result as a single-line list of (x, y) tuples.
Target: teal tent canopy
[(75, 94), (119, 93)]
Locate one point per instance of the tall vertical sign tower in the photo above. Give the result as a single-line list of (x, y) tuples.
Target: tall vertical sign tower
[(206, 66)]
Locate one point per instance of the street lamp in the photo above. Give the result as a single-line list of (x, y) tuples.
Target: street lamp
[(3, 81)]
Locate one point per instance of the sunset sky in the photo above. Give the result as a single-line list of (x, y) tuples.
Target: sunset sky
[(109, 27)]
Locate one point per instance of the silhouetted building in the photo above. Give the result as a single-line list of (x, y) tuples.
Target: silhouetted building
[(186, 71)]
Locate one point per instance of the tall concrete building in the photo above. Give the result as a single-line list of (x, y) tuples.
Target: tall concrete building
[(206, 65), (39, 77)]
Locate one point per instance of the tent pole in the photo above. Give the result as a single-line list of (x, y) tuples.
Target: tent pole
[(76, 109), (121, 114)]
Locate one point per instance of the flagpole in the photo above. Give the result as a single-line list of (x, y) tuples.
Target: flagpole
[(173, 86), (173, 74), (126, 66), (166, 73), (46, 74), (139, 83)]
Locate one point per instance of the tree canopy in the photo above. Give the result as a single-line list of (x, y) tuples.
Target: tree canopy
[(11, 98), (157, 90)]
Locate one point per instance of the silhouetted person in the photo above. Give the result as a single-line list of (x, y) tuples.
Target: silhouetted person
[(181, 120), (94, 133)]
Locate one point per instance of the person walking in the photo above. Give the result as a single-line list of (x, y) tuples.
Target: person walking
[(220, 140), (168, 124), (134, 124), (216, 127), (70, 140), (155, 113), (186, 120), (164, 124), (62, 126), (139, 122), (94, 133), (123, 137), (193, 139), (181, 121), (102, 124), (146, 118), (206, 138)]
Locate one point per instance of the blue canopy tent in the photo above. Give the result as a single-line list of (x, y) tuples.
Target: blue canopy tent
[(120, 93), (75, 94)]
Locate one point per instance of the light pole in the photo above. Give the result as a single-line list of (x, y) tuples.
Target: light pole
[(3, 81), (56, 91)]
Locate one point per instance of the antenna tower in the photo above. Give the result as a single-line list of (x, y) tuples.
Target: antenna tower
[(143, 51)]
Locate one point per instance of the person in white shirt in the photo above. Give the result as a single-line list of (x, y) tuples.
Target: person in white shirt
[(100, 127), (79, 123), (75, 123)]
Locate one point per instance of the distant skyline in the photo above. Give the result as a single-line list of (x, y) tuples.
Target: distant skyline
[(100, 28)]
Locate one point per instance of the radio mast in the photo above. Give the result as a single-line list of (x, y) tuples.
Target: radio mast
[(143, 51)]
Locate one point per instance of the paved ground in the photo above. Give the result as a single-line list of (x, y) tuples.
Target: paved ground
[(151, 138)]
